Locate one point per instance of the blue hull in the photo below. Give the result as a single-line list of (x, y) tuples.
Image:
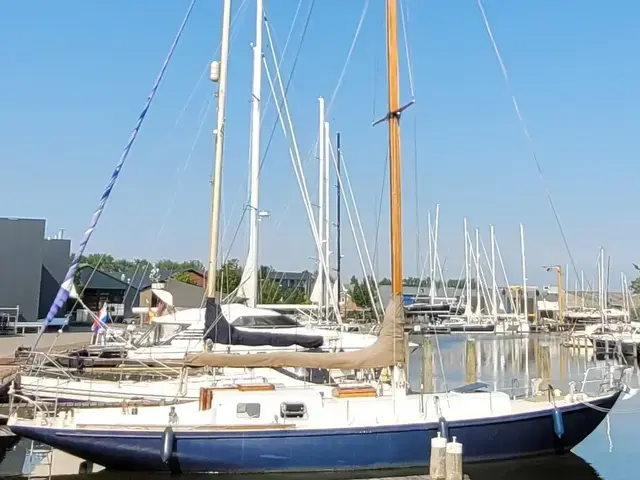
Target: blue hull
[(381, 447)]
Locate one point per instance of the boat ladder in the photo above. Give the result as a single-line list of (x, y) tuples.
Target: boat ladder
[(39, 461)]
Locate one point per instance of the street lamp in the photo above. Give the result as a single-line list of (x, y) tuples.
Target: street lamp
[(558, 270)]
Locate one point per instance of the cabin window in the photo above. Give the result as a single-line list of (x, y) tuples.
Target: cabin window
[(266, 321), (293, 410), (248, 410)]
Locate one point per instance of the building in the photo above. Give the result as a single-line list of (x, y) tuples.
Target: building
[(185, 295), (32, 267), (96, 287), (300, 280), (198, 278)]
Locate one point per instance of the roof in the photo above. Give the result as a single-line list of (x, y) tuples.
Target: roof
[(295, 276), (184, 294), (91, 278), (193, 270), (140, 279)]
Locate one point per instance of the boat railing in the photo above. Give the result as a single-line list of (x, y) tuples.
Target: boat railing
[(604, 377), (610, 375), (44, 361), (50, 363)]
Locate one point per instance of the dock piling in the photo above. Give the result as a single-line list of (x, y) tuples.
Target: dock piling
[(427, 366), (453, 462), (437, 464), (545, 364), (471, 370)]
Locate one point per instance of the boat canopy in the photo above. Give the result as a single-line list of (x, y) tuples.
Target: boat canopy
[(388, 349), (219, 330)]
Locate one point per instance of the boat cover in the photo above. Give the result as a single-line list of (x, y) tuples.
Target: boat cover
[(220, 331), (388, 350)]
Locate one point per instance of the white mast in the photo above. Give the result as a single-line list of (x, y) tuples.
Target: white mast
[(603, 297), (326, 225), (494, 287), (524, 276), (566, 285), (624, 295), (431, 262), (477, 261), (582, 287), (321, 197), (249, 282), (435, 251), (221, 77), (467, 278)]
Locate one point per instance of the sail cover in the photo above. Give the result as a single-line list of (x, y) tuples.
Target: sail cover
[(388, 350), (219, 330)]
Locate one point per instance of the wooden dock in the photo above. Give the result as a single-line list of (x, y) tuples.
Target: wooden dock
[(415, 477)]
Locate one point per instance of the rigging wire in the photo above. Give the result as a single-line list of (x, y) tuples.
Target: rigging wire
[(523, 124), (282, 55), (417, 190), (379, 214), (63, 292), (406, 49), (293, 69), (375, 292), (206, 68), (348, 59), (202, 116), (376, 62), (278, 62), (339, 82), (294, 154)]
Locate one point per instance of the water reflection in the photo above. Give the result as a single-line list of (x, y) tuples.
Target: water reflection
[(509, 363), (555, 467)]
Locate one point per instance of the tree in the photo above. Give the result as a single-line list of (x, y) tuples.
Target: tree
[(294, 296), (384, 281), (360, 293), (103, 262), (456, 283), (635, 285), (229, 276), (184, 277), (264, 271), (270, 292)]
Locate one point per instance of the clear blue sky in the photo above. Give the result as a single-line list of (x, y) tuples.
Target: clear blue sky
[(75, 75)]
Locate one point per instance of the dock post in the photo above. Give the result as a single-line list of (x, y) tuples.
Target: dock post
[(454, 460), (407, 356), (437, 463), (427, 366), (545, 364), (471, 370)]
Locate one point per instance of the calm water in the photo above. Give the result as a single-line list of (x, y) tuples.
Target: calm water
[(604, 455)]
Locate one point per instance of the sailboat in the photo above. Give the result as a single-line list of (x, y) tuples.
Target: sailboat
[(470, 321), (378, 424), (237, 328)]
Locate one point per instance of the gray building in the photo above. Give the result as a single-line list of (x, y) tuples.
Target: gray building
[(300, 280), (184, 295), (31, 266)]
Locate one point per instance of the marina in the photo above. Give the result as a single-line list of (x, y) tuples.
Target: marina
[(497, 351), (506, 364)]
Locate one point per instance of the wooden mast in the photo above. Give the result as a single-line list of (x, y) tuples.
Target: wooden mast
[(221, 78), (394, 150)]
